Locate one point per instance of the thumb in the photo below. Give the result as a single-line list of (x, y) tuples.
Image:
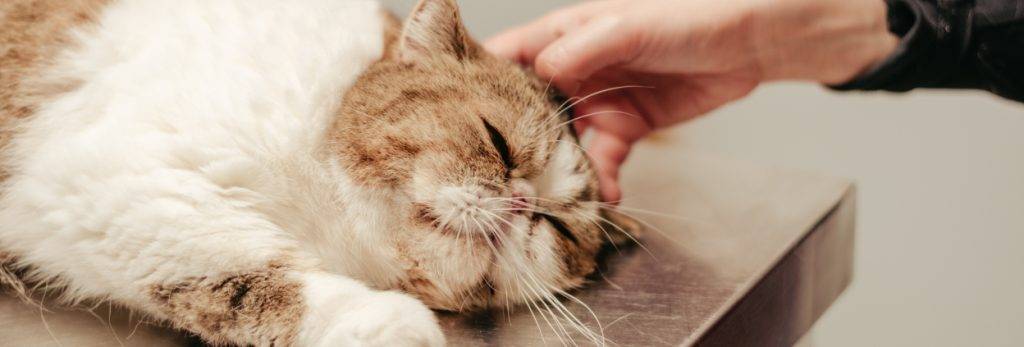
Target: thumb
[(609, 151), (577, 55)]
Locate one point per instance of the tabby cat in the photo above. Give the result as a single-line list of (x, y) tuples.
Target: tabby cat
[(267, 172)]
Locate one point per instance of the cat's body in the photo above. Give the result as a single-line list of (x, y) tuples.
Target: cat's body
[(196, 160)]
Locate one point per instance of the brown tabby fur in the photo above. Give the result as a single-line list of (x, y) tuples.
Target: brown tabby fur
[(237, 307)]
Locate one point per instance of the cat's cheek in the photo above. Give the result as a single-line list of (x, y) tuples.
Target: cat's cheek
[(343, 315)]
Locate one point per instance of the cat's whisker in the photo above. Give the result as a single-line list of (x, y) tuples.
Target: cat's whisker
[(577, 100), (541, 312), (608, 235), (566, 314), (650, 226), (496, 231), (595, 114), (562, 108), (552, 302), (547, 89), (531, 198), (585, 306), (624, 232), (598, 93), (543, 297), (558, 127), (525, 202), (529, 306), (560, 332), (598, 337), (650, 212), (554, 306), (530, 303), (521, 210), (480, 226), (629, 211)]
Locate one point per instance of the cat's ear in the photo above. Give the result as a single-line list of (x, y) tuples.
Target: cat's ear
[(621, 229), (435, 28)]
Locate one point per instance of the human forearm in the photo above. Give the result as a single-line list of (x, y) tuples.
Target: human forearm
[(826, 41)]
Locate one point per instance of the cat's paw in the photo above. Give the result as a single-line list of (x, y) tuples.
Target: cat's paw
[(386, 319)]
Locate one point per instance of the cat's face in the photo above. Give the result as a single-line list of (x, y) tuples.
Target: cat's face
[(496, 201)]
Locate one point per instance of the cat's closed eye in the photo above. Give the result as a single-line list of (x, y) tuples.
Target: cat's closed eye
[(501, 145)]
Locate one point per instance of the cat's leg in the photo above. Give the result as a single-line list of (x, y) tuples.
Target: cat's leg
[(195, 253), (282, 305), (273, 296)]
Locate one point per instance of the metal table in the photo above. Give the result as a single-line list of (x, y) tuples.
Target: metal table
[(737, 255)]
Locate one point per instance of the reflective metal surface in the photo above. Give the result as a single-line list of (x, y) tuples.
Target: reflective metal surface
[(736, 255)]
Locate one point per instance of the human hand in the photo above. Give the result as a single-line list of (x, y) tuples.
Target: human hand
[(639, 65)]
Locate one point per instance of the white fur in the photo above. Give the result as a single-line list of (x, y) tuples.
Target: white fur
[(560, 180), (192, 146), (349, 315)]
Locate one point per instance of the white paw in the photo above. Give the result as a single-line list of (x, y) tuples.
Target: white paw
[(385, 319)]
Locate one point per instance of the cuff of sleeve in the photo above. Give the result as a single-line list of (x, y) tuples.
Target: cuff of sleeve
[(903, 71)]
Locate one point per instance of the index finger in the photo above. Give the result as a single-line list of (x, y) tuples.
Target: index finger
[(522, 44)]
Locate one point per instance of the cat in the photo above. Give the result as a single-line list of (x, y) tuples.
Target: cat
[(265, 172)]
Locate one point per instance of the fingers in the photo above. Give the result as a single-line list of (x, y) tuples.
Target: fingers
[(581, 126), (609, 152), (579, 53), (614, 135), (520, 44), (524, 43), (569, 45), (615, 113)]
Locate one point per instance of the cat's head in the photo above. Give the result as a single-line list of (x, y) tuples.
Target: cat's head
[(497, 203)]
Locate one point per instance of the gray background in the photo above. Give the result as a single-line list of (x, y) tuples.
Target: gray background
[(940, 252)]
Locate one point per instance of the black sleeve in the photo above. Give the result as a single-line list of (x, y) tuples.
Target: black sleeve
[(975, 44)]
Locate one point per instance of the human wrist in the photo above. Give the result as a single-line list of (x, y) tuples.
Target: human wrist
[(825, 41)]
